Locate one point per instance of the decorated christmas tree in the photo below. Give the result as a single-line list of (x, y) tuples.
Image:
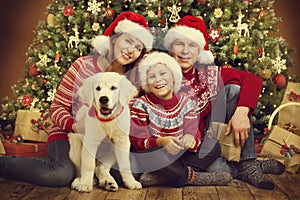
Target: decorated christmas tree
[(241, 36)]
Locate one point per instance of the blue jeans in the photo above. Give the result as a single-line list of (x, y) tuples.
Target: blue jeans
[(222, 111), (55, 171)]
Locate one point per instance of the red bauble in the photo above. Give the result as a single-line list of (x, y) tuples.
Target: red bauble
[(279, 80), (33, 71), (109, 12)]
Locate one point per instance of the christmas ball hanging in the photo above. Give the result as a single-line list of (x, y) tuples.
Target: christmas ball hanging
[(279, 80), (33, 71), (109, 12)]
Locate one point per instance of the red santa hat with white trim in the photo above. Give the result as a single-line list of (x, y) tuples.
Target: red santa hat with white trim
[(193, 28), (126, 22)]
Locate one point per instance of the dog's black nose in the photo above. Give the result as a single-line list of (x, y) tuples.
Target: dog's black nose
[(103, 99)]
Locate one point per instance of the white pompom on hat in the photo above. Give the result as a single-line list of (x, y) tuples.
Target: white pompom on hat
[(127, 22), (154, 58), (193, 28)]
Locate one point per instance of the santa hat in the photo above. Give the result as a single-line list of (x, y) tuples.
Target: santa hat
[(193, 28), (163, 58), (127, 22)]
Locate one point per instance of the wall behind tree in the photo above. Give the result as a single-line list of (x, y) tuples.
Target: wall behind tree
[(18, 19)]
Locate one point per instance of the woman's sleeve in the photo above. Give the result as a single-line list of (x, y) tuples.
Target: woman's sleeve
[(61, 107)]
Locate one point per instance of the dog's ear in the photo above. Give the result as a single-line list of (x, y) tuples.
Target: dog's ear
[(127, 91), (86, 91)]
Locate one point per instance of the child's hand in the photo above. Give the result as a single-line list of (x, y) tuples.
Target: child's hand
[(187, 141), (170, 143), (173, 147)]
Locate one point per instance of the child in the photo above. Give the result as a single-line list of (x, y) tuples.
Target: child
[(165, 122)]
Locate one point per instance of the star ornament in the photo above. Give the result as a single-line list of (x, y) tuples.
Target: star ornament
[(43, 60), (68, 11), (214, 34)]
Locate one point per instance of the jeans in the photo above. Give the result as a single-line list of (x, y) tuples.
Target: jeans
[(55, 171), (222, 110)]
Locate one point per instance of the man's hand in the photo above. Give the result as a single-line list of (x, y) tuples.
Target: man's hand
[(240, 125)]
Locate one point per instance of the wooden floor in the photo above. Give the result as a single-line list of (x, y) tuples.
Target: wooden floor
[(287, 187)]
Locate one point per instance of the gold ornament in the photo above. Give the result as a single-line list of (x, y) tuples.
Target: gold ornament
[(265, 73), (51, 20)]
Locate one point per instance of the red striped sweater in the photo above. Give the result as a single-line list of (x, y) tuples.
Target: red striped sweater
[(62, 107)]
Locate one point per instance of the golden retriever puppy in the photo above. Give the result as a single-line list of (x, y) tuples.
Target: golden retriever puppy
[(103, 123)]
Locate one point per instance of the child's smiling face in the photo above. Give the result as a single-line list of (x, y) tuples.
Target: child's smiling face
[(160, 81)]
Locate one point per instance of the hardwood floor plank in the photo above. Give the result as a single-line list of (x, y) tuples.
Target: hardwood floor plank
[(288, 183), (53, 193), (14, 190), (96, 193), (163, 193), (262, 194), (196, 192), (124, 193), (235, 190)]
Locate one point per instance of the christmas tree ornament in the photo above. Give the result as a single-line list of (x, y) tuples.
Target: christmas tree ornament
[(174, 13), (35, 86), (279, 64), (265, 73), (51, 19), (235, 48), (26, 100), (214, 34), (151, 14), (56, 57), (218, 13), (96, 26), (279, 80), (94, 6), (68, 11), (159, 11), (262, 13), (34, 72), (242, 27), (74, 39), (43, 60), (109, 12)]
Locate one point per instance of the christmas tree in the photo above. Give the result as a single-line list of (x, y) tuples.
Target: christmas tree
[(240, 37)]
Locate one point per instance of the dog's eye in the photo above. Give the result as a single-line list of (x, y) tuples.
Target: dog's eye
[(113, 88), (98, 88)]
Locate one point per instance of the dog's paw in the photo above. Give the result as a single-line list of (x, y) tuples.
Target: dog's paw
[(81, 186), (132, 184), (109, 185)]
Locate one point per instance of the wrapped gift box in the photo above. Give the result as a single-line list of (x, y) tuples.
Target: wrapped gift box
[(26, 149)]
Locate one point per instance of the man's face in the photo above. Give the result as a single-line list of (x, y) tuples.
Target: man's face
[(185, 52)]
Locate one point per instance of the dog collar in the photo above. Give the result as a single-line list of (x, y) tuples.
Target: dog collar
[(102, 119)]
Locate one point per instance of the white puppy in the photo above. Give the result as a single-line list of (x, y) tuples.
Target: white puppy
[(104, 119)]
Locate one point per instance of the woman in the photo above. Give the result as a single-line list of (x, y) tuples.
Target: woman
[(123, 43), (187, 42)]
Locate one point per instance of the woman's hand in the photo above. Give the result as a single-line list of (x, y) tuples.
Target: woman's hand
[(240, 125), (74, 128)]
